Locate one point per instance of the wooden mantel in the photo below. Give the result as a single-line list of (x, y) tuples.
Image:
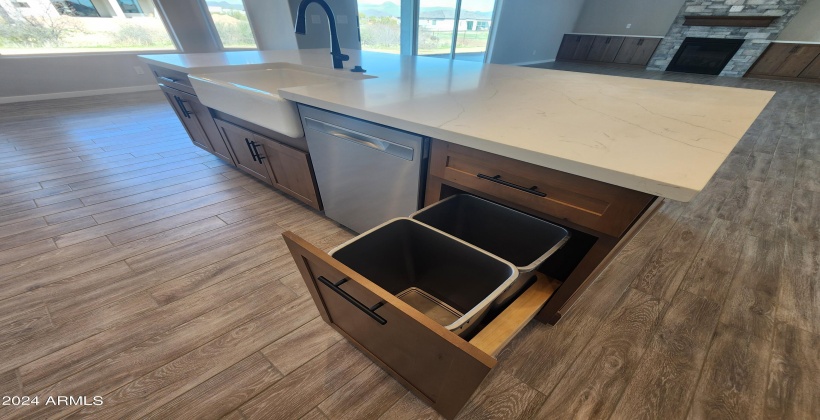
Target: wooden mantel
[(742, 21)]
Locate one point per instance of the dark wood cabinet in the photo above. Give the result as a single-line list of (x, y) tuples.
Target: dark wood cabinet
[(293, 173), (602, 217), (788, 61), (195, 117), (584, 45), (442, 368), (636, 51), (277, 160), (799, 58), (189, 120), (284, 167), (568, 46), (607, 49), (249, 154), (770, 60), (812, 71)]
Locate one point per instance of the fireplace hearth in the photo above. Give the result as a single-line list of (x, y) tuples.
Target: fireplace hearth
[(704, 55)]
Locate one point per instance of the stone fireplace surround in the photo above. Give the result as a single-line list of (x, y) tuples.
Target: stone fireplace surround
[(756, 39)]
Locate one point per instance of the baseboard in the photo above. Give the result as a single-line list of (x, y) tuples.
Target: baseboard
[(76, 94), (530, 63)]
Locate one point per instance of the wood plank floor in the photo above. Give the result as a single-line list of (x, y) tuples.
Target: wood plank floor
[(139, 268)]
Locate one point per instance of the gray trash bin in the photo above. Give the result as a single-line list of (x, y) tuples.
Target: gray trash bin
[(449, 280), (519, 238)]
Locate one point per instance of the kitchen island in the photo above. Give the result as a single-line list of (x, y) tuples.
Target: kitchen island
[(603, 151), (614, 143)]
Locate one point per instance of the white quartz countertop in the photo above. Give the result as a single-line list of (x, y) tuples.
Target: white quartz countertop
[(662, 138)]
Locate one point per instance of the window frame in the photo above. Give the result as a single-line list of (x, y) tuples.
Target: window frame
[(203, 5), (160, 14)]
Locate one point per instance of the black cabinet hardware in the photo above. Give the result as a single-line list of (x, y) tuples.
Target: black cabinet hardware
[(371, 311), (182, 108), (497, 179), (251, 149), (256, 151)]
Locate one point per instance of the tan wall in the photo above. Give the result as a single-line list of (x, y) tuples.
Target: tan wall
[(805, 26)]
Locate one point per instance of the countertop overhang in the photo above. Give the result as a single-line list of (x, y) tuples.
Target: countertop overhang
[(658, 137)]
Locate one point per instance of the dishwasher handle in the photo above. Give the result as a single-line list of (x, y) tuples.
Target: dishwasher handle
[(381, 145)]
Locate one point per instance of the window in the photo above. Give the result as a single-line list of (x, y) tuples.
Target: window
[(76, 8), (380, 25), (130, 6), (231, 23), (69, 26)]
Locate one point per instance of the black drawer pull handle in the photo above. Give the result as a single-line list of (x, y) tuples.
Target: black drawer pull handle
[(250, 148), (371, 311), (497, 179), (256, 151), (184, 110)]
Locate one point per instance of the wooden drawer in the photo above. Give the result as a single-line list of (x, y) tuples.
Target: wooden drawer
[(172, 78), (435, 364), (602, 207)]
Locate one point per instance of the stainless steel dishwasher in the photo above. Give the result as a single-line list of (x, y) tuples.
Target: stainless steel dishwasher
[(366, 173)]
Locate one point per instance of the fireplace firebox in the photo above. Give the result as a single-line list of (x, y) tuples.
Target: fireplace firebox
[(704, 55)]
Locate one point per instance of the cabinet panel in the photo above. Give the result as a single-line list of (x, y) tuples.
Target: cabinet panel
[(567, 49), (188, 118), (249, 155), (813, 70), (771, 59), (602, 207), (206, 121), (645, 47), (292, 172), (627, 50), (605, 48), (584, 45), (800, 56)]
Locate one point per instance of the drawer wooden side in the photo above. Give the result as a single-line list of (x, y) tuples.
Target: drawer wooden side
[(435, 364), (172, 78), (593, 204)]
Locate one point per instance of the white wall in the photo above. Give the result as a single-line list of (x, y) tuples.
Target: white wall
[(648, 17), (805, 26), (59, 75), (44, 75), (531, 31)]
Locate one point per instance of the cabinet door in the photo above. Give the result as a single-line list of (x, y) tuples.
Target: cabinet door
[(813, 70), (568, 46), (189, 119), (604, 48), (645, 47), (771, 59), (249, 155), (292, 172), (584, 45), (206, 121), (800, 56)]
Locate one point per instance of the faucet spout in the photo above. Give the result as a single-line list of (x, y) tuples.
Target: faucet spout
[(335, 49)]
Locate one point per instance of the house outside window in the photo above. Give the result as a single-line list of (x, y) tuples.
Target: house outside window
[(81, 26)]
